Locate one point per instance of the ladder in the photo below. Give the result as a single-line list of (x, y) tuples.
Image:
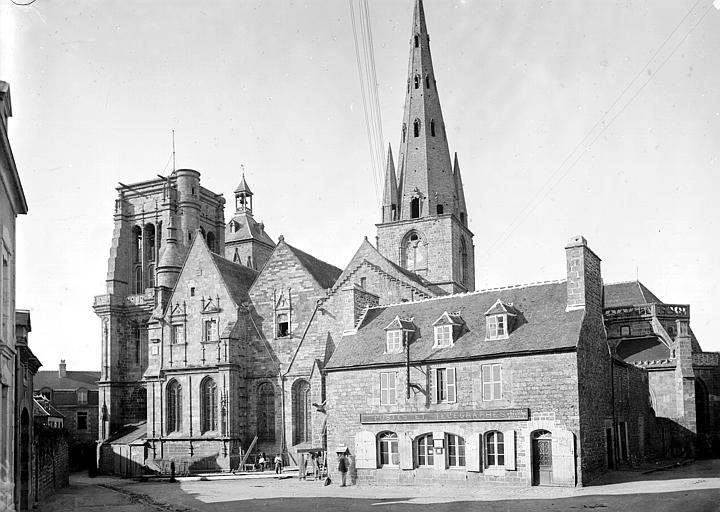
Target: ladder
[(247, 453)]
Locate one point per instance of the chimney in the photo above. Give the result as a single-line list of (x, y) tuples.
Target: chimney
[(584, 281), (61, 372), (355, 300)]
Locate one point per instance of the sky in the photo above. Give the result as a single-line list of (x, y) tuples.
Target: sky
[(599, 118)]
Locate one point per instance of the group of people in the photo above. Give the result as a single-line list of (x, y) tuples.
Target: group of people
[(263, 463), (310, 465)]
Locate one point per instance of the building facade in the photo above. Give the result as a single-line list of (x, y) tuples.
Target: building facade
[(232, 344), (12, 204), (74, 394)]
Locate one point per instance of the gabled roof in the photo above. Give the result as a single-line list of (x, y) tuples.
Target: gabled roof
[(500, 308), (368, 254), (237, 278), (247, 228), (72, 380), (399, 323), (544, 325), (324, 273), (127, 434), (630, 293), (448, 319)]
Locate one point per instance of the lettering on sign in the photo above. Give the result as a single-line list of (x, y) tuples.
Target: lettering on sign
[(442, 416)]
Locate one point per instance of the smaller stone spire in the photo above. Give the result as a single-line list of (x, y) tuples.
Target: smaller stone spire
[(390, 195), (461, 211), (171, 260)]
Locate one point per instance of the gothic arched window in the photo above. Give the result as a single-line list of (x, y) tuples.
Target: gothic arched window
[(150, 242), (137, 244), (266, 412), (211, 241), (150, 276), (301, 411), (414, 253), (208, 405), (173, 402), (417, 81), (416, 127), (432, 127), (415, 208), (404, 132), (427, 82), (463, 261), (417, 40), (138, 280)]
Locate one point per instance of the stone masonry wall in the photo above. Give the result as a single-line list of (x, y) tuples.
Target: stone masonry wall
[(51, 460), (546, 384)]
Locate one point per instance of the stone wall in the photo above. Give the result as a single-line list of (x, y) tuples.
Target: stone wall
[(51, 460)]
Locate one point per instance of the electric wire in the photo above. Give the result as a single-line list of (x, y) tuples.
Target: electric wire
[(555, 178)]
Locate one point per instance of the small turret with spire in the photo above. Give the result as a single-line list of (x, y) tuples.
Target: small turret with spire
[(246, 241)]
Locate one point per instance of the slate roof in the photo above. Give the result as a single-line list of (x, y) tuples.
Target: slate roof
[(631, 293), (43, 407), (324, 273), (238, 278), (129, 433), (248, 229), (543, 324), (71, 381)]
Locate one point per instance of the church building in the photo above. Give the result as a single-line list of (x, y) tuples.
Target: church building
[(219, 341)]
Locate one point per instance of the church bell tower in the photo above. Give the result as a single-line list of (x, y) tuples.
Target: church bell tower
[(424, 218)]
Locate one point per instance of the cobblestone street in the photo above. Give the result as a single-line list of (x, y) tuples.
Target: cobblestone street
[(691, 488)]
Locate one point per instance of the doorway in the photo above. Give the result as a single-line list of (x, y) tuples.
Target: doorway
[(541, 457)]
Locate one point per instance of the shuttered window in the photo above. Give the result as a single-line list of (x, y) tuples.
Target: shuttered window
[(491, 382), (388, 388)]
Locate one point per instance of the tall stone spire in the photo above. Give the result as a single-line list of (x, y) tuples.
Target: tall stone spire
[(424, 159), (427, 233), (460, 208), (390, 196)]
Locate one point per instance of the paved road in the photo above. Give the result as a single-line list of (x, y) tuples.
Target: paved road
[(692, 488)]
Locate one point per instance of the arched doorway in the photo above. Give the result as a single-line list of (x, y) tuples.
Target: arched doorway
[(541, 457), (25, 460)]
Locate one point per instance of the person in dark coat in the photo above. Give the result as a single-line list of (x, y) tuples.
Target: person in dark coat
[(342, 468)]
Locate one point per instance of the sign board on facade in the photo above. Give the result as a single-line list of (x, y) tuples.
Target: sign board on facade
[(442, 416)]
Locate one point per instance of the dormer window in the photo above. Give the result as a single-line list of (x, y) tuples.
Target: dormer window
[(397, 333), (443, 335), (499, 320), (496, 326), (446, 328), (394, 341)]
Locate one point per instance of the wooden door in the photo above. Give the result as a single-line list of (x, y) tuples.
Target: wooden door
[(542, 459)]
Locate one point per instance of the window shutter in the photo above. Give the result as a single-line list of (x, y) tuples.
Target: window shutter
[(509, 436), (451, 388), (432, 381), (563, 457), (383, 388), (365, 450), (406, 451), (473, 451)]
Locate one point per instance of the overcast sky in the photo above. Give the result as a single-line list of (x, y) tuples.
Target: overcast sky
[(97, 88)]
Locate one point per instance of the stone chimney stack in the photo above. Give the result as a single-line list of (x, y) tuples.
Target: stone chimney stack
[(584, 281), (61, 372), (355, 300)]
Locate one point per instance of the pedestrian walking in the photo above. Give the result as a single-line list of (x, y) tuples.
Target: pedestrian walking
[(261, 462), (342, 468), (278, 464)]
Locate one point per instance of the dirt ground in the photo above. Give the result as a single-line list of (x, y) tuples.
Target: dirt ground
[(691, 488)]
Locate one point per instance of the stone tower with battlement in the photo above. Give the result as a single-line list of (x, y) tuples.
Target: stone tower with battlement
[(155, 222), (424, 218)]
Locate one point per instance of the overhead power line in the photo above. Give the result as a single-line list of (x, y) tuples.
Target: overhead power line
[(603, 123)]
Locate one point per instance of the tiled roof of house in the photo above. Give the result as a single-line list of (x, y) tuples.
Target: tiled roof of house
[(72, 380), (324, 273), (43, 407), (129, 433), (631, 293), (238, 278), (542, 324)]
